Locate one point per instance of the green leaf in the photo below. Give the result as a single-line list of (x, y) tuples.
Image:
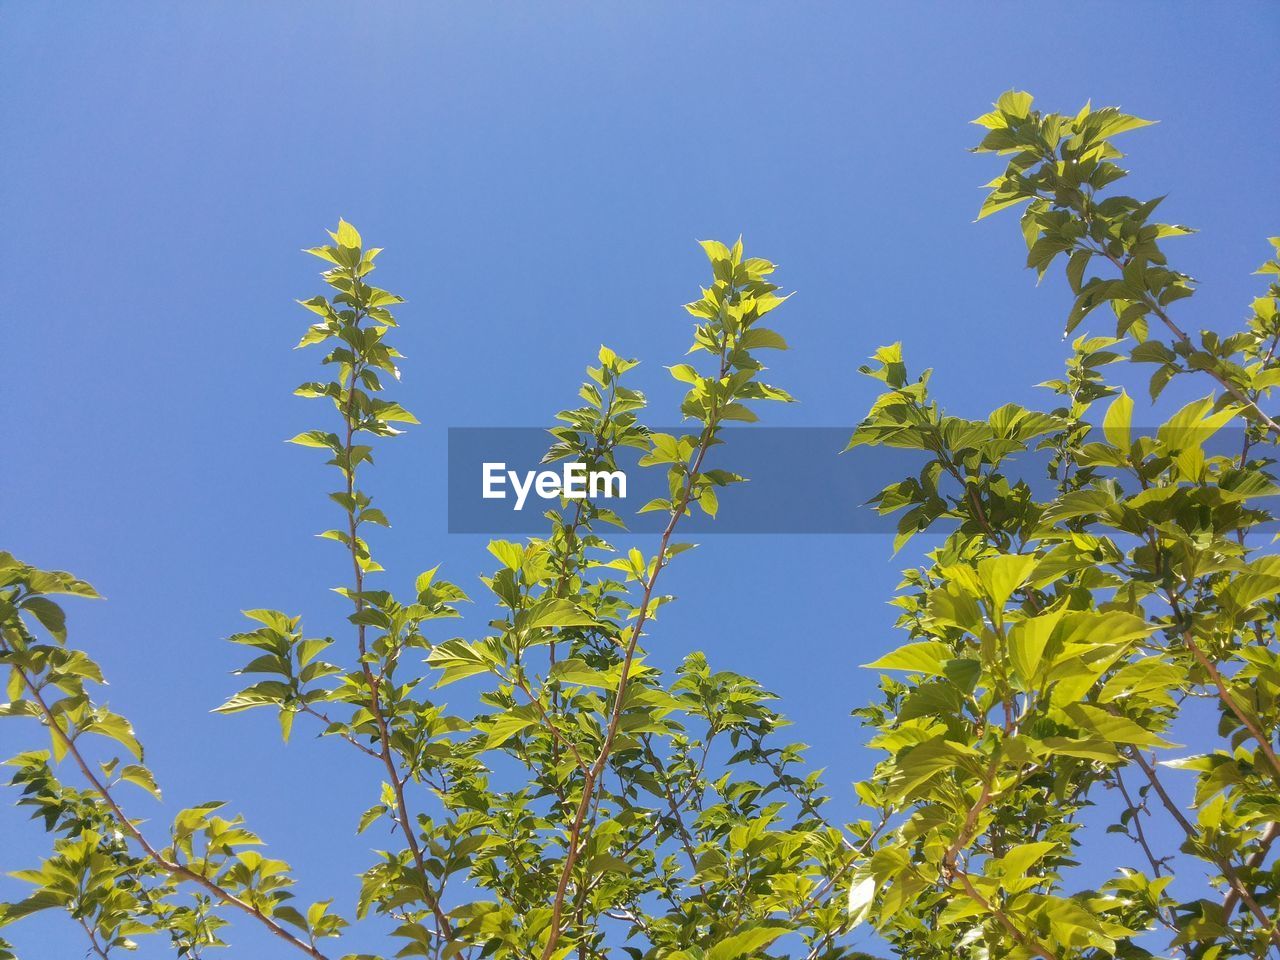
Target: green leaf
[(576, 672), (347, 235), (925, 656), (761, 338), (715, 250), (1018, 860), (1115, 425), (1003, 574), (49, 614), (685, 373), (861, 895), (502, 728), (1027, 642), (370, 816), (745, 942), (140, 776), (708, 501), (1112, 727), (558, 612), (117, 728), (1015, 103), (317, 438), (458, 659)]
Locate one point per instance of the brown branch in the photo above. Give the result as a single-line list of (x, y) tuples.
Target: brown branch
[(835, 878), (1239, 395), (1254, 396), (1026, 940), (1193, 835), (1179, 334), (694, 784), (323, 718), (1225, 695), (171, 867), (573, 850), (1140, 834), (556, 736), (570, 550), (965, 833), (952, 870), (686, 840), (806, 803), (93, 940), (1268, 837), (1224, 692)]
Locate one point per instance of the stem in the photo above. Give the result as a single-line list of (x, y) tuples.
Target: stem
[(324, 718), (686, 840), (93, 940), (839, 874), (375, 704), (695, 784), (1140, 835), (1225, 695), (574, 553), (557, 738), (951, 869)]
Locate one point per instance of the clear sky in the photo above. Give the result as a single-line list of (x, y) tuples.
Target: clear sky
[(538, 174)]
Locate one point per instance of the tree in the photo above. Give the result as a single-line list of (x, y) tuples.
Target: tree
[(590, 800), (590, 803), (1055, 642)]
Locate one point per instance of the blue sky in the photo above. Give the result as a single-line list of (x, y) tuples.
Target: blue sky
[(538, 175)]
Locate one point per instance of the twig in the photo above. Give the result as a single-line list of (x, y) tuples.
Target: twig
[(93, 940)]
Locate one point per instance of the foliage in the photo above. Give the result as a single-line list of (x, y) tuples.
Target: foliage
[(591, 802), (1056, 643)]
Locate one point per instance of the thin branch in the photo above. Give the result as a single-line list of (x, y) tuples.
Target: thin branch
[(1232, 899), (573, 848), (694, 785), (1140, 836), (375, 704), (93, 940), (1225, 695), (836, 877), (556, 736), (686, 840), (1026, 940), (1179, 334), (171, 867), (323, 718), (1228, 871)]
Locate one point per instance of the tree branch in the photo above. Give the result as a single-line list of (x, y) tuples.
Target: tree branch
[(375, 704), (171, 867), (1228, 871), (592, 776)]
